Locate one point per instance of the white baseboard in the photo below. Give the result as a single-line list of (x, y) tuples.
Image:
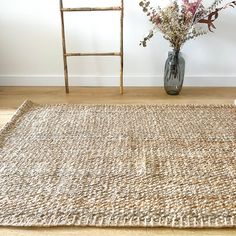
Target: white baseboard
[(90, 80)]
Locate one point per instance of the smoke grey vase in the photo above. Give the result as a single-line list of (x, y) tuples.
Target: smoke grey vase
[(174, 73)]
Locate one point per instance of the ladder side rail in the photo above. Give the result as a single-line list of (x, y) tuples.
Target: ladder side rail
[(64, 48)]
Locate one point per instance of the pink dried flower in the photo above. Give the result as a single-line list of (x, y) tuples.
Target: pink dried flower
[(192, 6)]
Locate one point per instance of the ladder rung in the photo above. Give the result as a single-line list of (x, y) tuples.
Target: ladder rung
[(93, 54), (92, 9)]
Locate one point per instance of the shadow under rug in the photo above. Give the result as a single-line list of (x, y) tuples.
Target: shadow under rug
[(119, 165)]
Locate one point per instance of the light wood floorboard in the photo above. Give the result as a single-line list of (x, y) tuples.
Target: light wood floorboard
[(13, 97)]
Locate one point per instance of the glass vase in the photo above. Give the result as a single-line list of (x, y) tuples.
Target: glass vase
[(174, 73)]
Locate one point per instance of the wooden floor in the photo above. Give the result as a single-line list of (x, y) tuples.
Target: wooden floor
[(12, 97)]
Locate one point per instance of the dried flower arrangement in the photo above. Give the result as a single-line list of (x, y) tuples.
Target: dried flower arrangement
[(178, 21)]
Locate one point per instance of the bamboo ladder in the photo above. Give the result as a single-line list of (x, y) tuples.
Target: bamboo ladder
[(120, 54)]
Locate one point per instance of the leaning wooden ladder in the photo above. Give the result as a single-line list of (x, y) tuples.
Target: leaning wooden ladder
[(120, 54)]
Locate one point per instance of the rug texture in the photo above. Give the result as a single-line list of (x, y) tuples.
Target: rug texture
[(119, 165)]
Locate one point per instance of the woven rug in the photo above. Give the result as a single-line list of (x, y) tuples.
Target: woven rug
[(119, 165)]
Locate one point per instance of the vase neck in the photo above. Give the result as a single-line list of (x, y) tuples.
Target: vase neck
[(176, 52)]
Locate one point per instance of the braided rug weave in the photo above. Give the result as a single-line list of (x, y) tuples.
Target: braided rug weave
[(119, 165)]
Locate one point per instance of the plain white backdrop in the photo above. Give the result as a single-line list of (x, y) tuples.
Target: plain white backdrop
[(31, 51)]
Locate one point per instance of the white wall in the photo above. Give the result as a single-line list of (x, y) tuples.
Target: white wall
[(31, 53)]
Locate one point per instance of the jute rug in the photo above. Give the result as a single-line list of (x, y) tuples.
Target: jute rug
[(107, 165)]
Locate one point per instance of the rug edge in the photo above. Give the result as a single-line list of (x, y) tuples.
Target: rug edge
[(27, 104), (192, 223), (159, 105)]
